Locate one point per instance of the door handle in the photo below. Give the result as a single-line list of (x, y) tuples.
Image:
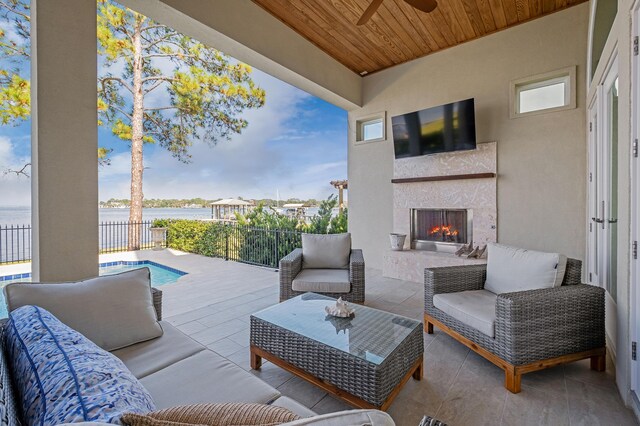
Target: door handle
[(596, 220), (612, 220)]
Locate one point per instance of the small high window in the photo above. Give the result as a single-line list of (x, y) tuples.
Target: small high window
[(371, 128), (543, 93)]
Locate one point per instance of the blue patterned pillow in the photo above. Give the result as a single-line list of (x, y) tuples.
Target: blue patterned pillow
[(62, 377)]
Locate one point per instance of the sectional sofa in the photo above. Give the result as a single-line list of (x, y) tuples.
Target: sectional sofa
[(174, 369)]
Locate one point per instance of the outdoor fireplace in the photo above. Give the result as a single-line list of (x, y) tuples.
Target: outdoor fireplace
[(440, 229)]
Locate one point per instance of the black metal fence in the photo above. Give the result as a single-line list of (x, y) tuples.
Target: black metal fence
[(116, 236), (229, 241), (15, 243), (15, 240), (260, 246)]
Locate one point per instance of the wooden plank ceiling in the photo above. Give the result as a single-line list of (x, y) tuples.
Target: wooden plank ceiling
[(397, 32)]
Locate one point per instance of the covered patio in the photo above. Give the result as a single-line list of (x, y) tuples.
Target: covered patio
[(537, 176), (213, 303)]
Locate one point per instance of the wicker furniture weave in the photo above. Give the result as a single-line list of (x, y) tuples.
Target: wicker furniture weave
[(365, 366), (291, 265), (534, 329), (157, 302)]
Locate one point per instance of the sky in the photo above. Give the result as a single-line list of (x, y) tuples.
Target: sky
[(294, 145)]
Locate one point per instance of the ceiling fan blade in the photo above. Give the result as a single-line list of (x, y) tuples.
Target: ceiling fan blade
[(423, 5), (368, 13)]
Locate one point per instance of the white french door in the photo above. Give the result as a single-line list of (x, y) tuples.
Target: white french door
[(603, 185), (635, 202), (595, 198)]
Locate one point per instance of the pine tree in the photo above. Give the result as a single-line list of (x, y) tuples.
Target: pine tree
[(206, 91)]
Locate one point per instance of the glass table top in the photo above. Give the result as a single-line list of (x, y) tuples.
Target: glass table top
[(371, 334)]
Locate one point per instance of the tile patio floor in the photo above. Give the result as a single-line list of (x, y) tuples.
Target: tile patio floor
[(214, 301)]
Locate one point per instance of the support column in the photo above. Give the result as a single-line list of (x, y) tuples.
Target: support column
[(64, 140)]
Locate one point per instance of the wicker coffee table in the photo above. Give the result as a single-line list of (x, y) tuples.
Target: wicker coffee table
[(364, 360)]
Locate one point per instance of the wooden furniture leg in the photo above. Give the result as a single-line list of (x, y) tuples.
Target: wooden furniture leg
[(512, 379), (256, 360), (428, 327), (599, 362), (417, 374)]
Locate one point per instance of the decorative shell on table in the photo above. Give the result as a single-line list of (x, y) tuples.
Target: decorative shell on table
[(340, 309)]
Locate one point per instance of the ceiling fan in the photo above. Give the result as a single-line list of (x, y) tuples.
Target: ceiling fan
[(423, 5)]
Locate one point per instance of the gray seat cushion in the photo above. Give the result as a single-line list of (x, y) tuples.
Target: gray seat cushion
[(148, 357), (349, 417), (206, 377), (329, 251), (475, 308), (322, 281)]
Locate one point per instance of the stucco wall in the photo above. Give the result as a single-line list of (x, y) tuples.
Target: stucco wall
[(541, 158), (64, 141)]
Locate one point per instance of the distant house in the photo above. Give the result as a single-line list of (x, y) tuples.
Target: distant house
[(227, 208), (295, 209)]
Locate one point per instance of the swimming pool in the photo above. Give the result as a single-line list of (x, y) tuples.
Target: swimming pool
[(160, 275)]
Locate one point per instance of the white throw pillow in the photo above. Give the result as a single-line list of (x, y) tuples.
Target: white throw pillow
[(113, 311), (512, 269), (326, 251)]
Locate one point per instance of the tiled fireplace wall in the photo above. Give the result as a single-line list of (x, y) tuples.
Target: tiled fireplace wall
[(479, 195)]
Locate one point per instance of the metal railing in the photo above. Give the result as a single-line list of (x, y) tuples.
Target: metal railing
[(15, 243), (15, 240), (229, 241), (117, 236), (259, 246)]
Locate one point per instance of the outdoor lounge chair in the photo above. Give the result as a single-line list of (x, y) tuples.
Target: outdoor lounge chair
[(325, 264), (519, 331)]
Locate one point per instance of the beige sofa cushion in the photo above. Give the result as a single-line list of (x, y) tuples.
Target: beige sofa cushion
[(511, 269), (225, 414), (475, 308), (206, 377), (113, 311), (153, 355), (322, 281), (326, 251)]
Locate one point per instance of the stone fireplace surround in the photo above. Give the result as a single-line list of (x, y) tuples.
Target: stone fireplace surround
[(478, 195)]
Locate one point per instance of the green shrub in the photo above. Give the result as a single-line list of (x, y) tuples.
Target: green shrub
[(213, 241), (185, 235), (261, 236), (160, 223), (339, 223)]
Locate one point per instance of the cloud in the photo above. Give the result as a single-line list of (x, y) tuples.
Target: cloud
[(15, 190), (279, 150), (323, 167)]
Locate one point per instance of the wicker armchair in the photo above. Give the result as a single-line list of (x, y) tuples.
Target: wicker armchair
[(291, 265), (534, 329)]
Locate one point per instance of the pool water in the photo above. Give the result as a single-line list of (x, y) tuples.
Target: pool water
[(160, 275)]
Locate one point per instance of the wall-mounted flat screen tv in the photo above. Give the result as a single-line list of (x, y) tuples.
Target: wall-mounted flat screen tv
[(444, 128)]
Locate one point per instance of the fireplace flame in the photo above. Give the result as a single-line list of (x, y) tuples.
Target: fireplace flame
[(444, 230)]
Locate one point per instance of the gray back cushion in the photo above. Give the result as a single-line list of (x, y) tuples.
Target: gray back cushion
[(326, 251), (113, 311)]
